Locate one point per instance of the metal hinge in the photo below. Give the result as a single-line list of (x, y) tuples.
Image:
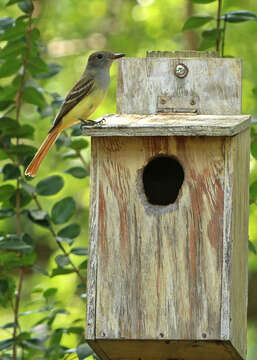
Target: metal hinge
[(177, 104)]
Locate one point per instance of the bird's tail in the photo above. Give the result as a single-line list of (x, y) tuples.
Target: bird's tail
[(42, 151)]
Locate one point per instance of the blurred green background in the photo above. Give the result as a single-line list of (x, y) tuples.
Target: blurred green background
[(70, 31)]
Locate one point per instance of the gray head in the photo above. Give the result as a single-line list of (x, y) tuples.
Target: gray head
[(102, 59)]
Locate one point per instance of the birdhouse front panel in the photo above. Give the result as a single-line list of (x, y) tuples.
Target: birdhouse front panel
[(159, 262)]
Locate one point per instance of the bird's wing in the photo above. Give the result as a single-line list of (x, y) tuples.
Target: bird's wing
[(82, 88)]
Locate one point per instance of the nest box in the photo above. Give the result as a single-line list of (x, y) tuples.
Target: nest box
[(169, 213)]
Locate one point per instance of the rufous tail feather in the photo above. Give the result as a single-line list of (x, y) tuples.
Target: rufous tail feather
[(42, 152)]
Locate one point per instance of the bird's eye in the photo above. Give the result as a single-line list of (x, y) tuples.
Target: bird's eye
[(99, 56)]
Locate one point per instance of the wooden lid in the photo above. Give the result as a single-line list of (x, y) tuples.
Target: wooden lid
[(169, 125)]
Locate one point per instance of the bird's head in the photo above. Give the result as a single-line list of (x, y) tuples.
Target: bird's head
[(102, 59)]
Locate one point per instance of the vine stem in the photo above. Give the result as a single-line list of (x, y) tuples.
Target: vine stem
[(59, 244), (218, 25), (18, 198)]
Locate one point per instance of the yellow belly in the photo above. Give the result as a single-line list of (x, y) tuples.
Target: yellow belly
[(84, 109)]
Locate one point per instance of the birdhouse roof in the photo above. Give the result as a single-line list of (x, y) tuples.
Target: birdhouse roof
[(169, 125)]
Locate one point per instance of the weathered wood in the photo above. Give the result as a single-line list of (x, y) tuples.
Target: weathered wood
[(179, 279), (212, 84), (240, 146), (163, 350), (92, 258), (183, 54), (169, 125)]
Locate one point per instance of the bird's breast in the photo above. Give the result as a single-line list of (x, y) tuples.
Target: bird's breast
[(85, 108)]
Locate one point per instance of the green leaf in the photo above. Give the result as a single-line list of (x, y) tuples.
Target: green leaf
[(5, 344), (84, 351), (24, 132), (11, 171), (63, 210), (14, 32), (24, 200), (10, 67), (253, 192), (26, 6), (50, 292), (62, 260), (5, 213), (252, 247), (12, 49), (61, 271), (239, 16), (36, 66), (70, 155), (70, 231), (64, 239), (79, 144), (13, 242), (27, 187), (50, 186), (77, 172), (8, 125), (83, 265), (195, 22), (32, 96), (10, 260), (40, 270), (28, 259), (6, 191), (11, 2), (212, 34), (254, 149), (76, 330), (39, 217), (80, 251), (6, 22), (23, 150), (52, 70), (207, 44)]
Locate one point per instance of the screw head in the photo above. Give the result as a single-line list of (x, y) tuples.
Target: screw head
[(181, 70)]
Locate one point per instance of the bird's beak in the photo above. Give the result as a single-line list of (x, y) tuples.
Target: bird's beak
[(117, 56)]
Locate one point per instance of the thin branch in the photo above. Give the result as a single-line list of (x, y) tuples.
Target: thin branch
[(86, 165), (218, 26), (35, 198), (16, 313), (223, 36), (18, 198), (190, 35), (24, 68)]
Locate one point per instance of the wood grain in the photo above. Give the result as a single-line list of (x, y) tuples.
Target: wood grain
[(163, 350), (213, 84), (240, 146), (169, 125), (172, 270)]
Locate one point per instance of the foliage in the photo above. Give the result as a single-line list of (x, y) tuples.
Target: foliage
[(37, 216), (23, 65)]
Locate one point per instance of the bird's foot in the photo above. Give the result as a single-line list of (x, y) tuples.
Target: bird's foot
[(89, 123)]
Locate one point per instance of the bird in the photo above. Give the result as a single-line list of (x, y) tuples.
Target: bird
[(80, 103)]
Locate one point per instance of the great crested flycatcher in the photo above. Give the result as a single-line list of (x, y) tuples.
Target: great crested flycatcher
[(80, 103)]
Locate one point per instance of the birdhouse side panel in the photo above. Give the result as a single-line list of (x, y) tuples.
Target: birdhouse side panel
[(158, 274), (239, 153)]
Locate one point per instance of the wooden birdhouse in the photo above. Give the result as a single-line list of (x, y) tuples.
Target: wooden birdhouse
[(169, 213)]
